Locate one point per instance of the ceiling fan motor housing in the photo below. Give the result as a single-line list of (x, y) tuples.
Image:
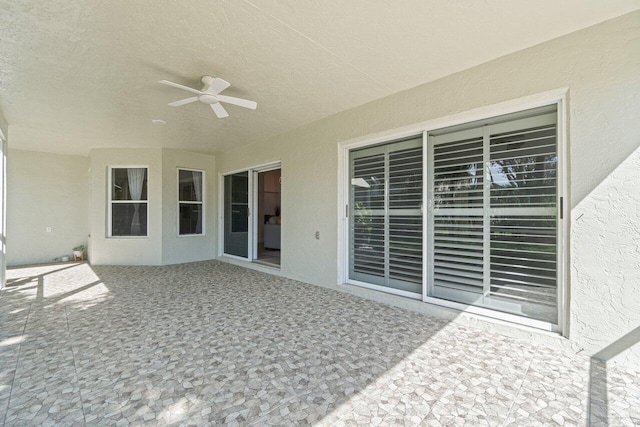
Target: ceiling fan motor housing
[(208, 98), (210, 95)]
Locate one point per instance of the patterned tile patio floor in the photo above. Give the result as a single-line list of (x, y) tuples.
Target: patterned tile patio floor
[(212, 344)]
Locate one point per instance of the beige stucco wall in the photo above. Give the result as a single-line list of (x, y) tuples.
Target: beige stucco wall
[(4, 134), (127, 250), (187, 248), (600, 66), (4, 126), (45, 190), (162, 246)]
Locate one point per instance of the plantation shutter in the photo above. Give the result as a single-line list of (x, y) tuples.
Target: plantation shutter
[(457, 212), (523, 207), (405, 216), (386, 215), (493, 215), (368, 190)]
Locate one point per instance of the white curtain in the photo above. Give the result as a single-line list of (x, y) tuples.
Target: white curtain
[(197, 186), (136, 180)]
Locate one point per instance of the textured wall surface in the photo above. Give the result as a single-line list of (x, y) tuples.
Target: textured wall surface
[(187, 248), (600, 66), (45, 190), (605, 265), (3, 199), (4, 127), (162, 246)]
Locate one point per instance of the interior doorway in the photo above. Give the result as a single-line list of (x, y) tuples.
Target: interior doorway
[(268, 195)]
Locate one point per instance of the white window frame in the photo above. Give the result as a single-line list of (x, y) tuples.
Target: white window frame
[(202, 203), (557, 97), (110, 200)]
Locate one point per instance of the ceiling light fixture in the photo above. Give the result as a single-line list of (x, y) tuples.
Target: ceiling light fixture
[(158, 122)]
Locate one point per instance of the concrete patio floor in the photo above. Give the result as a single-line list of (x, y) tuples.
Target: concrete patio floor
[(210, 343)]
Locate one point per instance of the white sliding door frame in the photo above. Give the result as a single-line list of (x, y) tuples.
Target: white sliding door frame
[(221, 208), (255, 223), (561, 246), (557, 97), (3, 210), (252, 176), (346, 232)]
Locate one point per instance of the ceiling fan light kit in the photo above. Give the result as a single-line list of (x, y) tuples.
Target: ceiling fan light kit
[(210, 94)]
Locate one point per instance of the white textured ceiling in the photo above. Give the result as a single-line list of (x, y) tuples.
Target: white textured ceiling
[(80, 74)]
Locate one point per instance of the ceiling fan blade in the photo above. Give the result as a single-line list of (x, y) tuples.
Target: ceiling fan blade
[(218, 86), (219, 110), (238, 101), (176, 85), (183, 102)]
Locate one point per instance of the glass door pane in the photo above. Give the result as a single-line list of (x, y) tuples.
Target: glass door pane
[(386, 215), (404, 221), (523, 166), (236, 214), (368, 193), (493, 216), (456, 217)]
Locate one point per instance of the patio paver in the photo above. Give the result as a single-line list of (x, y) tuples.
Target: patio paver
[(210, 343)]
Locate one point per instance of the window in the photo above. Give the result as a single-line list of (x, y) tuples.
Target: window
[(128, 204), (190, 202), (493, 217)]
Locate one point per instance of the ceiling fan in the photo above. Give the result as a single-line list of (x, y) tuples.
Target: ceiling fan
[(210, 94)]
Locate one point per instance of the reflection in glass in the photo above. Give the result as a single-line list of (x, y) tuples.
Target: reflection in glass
[(236, 214), (495, 223), (190, 218), (523, 168), (458, 179), (190, 202), (129, 219), (386, 219), (123, 181)]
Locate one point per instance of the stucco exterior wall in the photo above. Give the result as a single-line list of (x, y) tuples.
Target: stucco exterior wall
[(4, 133), (600, 67), (45, 190), (162, 246), (605, 262), (4, 127), (177, 249)]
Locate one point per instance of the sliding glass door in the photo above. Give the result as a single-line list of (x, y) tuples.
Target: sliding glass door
[(236, 214), (493, 217), (385, 213), (251, 210), (493, 220)]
